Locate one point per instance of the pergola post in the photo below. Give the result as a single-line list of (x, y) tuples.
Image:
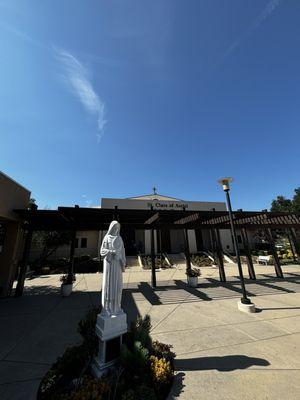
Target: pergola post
[(187, 250), (294, 244), (219, 253), (24, 262), (213, 242), (72, 251), (277, 265), (248, 253), (293, 249), (153, 272), (160, 249)]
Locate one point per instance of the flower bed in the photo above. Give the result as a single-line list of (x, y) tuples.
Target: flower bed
[(83, 264), (145, 369), (201, 260), (147, 262)]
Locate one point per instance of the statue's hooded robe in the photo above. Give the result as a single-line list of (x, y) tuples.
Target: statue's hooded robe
[(112, 250)]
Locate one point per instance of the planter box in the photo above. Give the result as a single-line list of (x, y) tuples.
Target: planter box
[(192, 281), (66, 290)]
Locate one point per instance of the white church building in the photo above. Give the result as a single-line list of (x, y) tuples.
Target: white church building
[(171, 241)]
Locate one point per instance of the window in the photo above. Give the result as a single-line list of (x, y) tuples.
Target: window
[(239, 239), (76, 243), (83, 243)]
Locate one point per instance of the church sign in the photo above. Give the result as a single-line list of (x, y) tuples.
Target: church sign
[(168, 205), (157, 204)]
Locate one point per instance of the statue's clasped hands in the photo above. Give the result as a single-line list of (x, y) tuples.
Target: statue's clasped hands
[(113, 252)]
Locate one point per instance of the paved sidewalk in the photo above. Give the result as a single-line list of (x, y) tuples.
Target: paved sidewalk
[(221, 352)]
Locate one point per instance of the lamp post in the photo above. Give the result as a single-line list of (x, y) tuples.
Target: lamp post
[(245, 303)]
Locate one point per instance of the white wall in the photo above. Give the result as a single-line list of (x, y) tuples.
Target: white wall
[(147, 241), (192, 241), (225, 236)]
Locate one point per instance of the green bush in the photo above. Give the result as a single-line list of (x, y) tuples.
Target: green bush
[(144, 362), (201, 260), (84, 257), (147, 262), (145, 370), (86, 328), (143, 392), (163, 350), (64, 370)]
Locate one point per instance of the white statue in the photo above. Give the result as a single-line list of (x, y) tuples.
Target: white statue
[(113, 252)]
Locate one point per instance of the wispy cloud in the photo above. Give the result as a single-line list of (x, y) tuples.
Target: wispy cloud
[(21, 35), (76, 76), (265, 13)]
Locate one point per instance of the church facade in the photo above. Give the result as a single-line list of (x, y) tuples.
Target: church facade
[(139, 241), (170, 241)]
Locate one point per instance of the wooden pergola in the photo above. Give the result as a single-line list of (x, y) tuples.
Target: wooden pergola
[(76, 218)]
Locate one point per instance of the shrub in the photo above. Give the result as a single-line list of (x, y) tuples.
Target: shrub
[(137, 345), (147, 262), (201, 261), (193, 272), (67, 279), (86, 328), (140, 332), (161, 371), (145, 371), (162, 350), (129, 395), (89, 388), (134, 359), (64, 370), (143, 392), (45, 270), (61, 262), (84, 257)]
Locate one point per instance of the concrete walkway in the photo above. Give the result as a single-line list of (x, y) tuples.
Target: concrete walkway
[(221, 352)]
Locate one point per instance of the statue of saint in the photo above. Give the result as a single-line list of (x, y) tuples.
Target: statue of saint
[(113, 252)]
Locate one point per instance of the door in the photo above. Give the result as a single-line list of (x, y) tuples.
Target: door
[(164, 240), (199, 240), (128, 236)]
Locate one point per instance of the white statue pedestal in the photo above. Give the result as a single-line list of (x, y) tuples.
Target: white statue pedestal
[(109, 330)]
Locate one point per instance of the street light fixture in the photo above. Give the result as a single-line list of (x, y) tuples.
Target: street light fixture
[(245, 303)]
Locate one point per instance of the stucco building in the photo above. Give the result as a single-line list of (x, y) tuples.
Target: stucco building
[(171, 240), (135, 240), (12, 196)]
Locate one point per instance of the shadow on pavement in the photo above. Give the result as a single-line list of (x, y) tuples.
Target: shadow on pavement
[(194, 291), (225, 363), (177, 386), (258, 310)]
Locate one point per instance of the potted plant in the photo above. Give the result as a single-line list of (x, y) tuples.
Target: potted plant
[(192, 276), (67, 284)]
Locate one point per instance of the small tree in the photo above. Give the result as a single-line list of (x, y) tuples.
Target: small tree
[(296, 200), (48, 242), (31, 202), (282, 204)]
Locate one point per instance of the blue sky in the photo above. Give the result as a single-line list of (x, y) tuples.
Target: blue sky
[(109, 98)]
